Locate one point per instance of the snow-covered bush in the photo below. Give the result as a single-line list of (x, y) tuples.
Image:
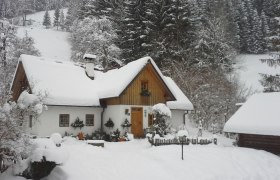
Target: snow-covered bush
[(78, 123), (45, 156), (162, 116), (14, 144), (109, 123)]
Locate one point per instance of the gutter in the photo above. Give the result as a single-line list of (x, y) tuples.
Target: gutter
[(184, 116), (102, 118), (104, 106)]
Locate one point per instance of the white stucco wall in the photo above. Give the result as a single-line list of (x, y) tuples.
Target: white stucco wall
[(177, 118), (117, 114), (48, 121)]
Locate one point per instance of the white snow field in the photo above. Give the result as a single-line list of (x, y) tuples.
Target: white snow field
[(138, 160), (248, 67), (51, 43)]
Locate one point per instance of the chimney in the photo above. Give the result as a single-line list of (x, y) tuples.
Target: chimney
[(89, 63)]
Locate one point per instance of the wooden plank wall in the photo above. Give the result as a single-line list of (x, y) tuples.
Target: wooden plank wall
[(20, 83), (264, 142), (131, 96)]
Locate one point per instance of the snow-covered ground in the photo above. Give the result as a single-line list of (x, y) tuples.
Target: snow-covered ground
[(51, 43), (137, 159), (249, 67)]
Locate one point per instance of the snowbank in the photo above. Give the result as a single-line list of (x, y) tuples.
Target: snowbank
[(46, 147)]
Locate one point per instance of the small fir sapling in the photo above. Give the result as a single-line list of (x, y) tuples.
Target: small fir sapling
[(56, 18), (47, 19), (115, 135), (78, 123), (126, 124), (109, 123)]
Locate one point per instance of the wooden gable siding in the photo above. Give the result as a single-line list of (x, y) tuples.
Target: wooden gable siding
[(157, 88), (263, 142), (20, 82)]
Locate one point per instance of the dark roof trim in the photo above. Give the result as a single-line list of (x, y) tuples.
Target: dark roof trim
[(73, 106)]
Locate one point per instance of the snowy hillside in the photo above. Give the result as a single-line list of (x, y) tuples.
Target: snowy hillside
[(51, 43), (249, 67)]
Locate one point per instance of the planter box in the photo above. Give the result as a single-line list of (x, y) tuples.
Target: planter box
[(99, 143)]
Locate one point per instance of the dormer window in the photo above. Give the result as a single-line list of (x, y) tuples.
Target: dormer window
[(145, 88)]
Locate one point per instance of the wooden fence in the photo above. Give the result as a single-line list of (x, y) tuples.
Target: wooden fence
[(187, 141)]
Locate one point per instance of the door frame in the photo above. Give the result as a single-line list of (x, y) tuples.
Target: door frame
[(142, 119)]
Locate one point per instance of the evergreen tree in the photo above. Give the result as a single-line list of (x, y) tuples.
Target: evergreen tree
[(243, 24), (96, 36), (130, 26), (62, 20), (256, 36), (56, 17), (86, 9), (266, 32), (271, 82), (72, 13), (47, 19)]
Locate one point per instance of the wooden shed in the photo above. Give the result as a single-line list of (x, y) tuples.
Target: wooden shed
[(257, 123)]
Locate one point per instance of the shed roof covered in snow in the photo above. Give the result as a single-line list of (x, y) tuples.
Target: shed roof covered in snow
[(66, 83), (259, 115)]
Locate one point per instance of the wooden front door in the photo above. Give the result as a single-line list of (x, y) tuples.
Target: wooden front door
[(137, 122)]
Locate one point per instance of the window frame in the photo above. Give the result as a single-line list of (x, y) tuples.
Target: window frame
[(144, 85), (87, 119), (64, 117)]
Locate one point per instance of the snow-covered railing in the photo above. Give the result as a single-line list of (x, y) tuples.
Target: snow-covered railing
[(177, 141)]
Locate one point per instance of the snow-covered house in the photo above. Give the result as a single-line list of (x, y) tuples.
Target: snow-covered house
[(125, 93), (257, 122)]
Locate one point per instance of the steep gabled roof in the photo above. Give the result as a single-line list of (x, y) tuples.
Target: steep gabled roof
[(67, 84), (260, 114), (64, 83)]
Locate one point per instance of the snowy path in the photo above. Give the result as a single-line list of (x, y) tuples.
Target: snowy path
[(51, 43), (138, 160)]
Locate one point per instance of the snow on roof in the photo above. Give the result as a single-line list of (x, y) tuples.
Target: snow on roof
[(67, 83), (64, 83), (259, 115), (182, 102), (113, 82)]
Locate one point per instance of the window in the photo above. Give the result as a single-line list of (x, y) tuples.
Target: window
[(30, 121), (145, 89), (64, 120), (150, 120), (144, 85), (89, 119)]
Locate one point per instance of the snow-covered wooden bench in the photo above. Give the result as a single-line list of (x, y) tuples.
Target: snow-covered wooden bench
[(99, 143)]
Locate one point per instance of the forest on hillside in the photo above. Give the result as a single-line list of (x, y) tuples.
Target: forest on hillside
[(193, 41)]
